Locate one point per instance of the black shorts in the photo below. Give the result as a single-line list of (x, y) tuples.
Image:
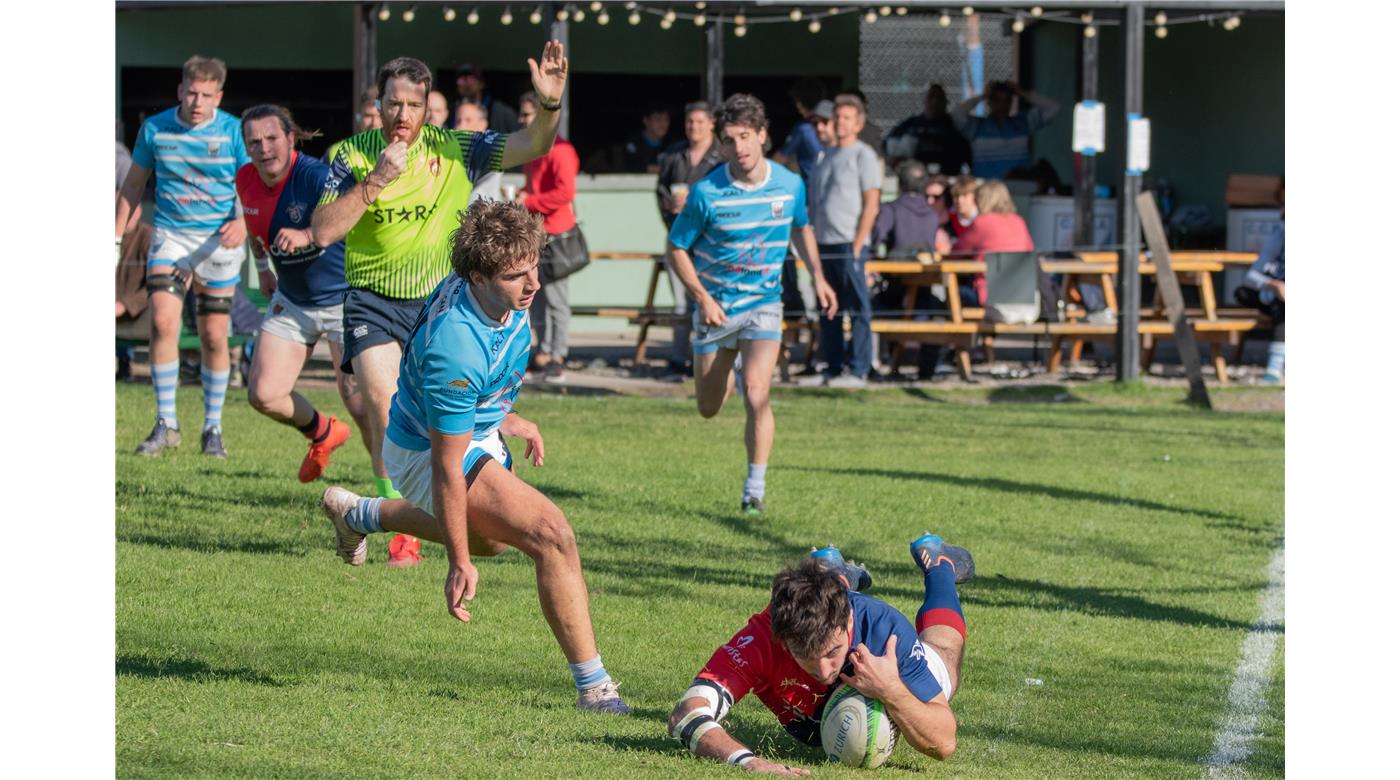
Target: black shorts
[(372, 319)]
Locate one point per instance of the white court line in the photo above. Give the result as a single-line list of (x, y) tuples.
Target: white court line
[(1234, 739)]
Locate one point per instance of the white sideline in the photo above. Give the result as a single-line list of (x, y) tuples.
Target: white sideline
[(1234, 739)]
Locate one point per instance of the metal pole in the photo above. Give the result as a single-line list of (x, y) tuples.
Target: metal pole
[(713, 86), (560, 31), (364, 55), (1086, 175), (1129, 283)]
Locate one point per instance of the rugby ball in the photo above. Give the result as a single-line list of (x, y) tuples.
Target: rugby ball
[(856, 731)]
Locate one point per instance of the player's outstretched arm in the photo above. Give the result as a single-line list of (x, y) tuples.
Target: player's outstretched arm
[(695, 726), (450, 500), (548, 77), (928, 726)]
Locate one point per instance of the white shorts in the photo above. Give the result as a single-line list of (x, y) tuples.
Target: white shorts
[(199, 252), (764, 323), (286, 320), (412, 470), (931, 657)]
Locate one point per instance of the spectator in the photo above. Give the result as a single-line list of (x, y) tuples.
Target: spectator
[(437, 109), (997, 228), (1001, 141), (641, 152), (964, 204), (802, 144), (799, 298), (871, 134), (1263, 289), (905, 226), (940, 198), (471, 88), (682, 165), (549, 192), (845, 197), (131, 267), (367, 111), (931, 137), (472, 118)]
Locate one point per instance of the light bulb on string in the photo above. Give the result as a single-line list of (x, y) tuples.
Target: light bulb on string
[(871, 16), (699, 20), (1160, 32), (384, 13), (901, 11), (448, 13), (968, 10), (1036, 11), (1087, 17), (506, 18), (1232, 23), (473, 17), (740, 19), (410, 13), (886, 10), (670, 16), (603, 17), (562, 14), (1161, 18), (1018, 25), (700, 6), (814, 26), (595, 6), (944, 19), (579, 15), (536, 16), (666, 23), (740, 31), (795, 15), (1090, 31), (634, 18)]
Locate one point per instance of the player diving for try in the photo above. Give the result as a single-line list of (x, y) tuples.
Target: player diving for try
[(278, 190), (194, 150), (394, 198), (727, 246), (818, 632), (464, 362)]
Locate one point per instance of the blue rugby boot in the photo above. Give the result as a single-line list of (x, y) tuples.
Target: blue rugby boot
[(928, 550), (855, 575)]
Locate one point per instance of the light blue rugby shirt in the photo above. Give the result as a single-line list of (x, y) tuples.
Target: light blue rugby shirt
[(737, 235), (194, 168), (461, 370)]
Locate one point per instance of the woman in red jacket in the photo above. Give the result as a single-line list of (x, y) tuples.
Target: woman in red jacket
[(997, 228)]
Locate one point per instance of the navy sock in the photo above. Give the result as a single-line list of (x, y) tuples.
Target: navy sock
[(941, 605)]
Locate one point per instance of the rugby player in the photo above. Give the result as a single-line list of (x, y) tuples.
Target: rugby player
[(278, 190), (194, 150), (727, 246), (818, 632), (463, 366), (393, 197)]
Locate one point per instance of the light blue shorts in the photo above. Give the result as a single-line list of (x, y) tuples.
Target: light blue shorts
[(764, 323)]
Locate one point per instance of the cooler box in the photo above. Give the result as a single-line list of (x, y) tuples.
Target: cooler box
[(1050, 220), (1246, 230)]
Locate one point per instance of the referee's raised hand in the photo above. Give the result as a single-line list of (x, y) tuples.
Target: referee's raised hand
[(549, 74)]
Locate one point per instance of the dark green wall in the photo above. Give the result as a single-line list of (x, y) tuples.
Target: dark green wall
[(1215, 99)]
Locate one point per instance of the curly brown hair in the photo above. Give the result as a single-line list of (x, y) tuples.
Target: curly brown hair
[(495, 236), (809, 604)]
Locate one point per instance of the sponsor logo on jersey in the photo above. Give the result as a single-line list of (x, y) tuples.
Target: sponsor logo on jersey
[(777, 208), (213, 147), (295, 211), (391, 216), (744, 641), (360, 331), (793, 682), (735, 656), (459, 386)]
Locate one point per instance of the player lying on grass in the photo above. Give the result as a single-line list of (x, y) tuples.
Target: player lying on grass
[(463, 365), (818, 632), (278, 190)]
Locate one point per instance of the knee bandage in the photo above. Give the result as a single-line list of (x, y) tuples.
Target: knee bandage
[(204, 303), (166, 283)]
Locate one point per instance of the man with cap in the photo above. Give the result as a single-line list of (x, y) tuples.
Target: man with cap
[(471, 88)]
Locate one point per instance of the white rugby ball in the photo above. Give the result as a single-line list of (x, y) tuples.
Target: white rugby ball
[(856, 731)]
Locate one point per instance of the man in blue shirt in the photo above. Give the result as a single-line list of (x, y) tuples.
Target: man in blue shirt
[(818, 632), (194, 149), (278, 190), (727, 246), (463, 365)]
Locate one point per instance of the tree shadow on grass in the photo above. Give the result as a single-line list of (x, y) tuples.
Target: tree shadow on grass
[(1011, 486), (189, 669), (921, 394), (1033, 394), (203, 544)]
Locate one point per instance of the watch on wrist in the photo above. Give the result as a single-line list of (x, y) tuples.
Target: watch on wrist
[(551, 106)]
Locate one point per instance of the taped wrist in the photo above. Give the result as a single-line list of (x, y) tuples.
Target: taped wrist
[(692, 727), (740, 757)]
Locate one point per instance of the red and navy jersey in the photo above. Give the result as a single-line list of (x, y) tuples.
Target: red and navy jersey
[(755, 662), (314, 276)]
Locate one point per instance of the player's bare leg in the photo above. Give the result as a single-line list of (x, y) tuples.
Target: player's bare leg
[(377, 371), (167, 308), (277, 362), (714, 380), (350, 395), (760, 358), (212, 321)]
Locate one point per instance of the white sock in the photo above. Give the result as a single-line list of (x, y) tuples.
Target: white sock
[(753, 486)]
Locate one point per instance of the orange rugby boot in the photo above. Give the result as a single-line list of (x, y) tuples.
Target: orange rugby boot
[(319, 454)]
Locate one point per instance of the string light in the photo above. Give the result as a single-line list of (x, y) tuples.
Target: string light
[(699, 20), (1161, 32), (448, 13), (473, 17), (967, 10), (740, 19), (603, 17), (384, 13), (740, 31), (1087, 17), (536, 16), (669, 18), (1036, 11), (579, 15), (634, 18), (1018, 24), (1090, 31), (562, 14), (595, 6), (666, 23), (944, 19), (885, 10), (901, 11), (871, 16), (700, 6), (1232, 23), (506, 18), (795, 15), (1161, 18), (410, 13), (814, 26)]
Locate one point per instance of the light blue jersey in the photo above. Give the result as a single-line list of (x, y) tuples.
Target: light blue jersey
[(737, 235), (194, 168), (461, 370)]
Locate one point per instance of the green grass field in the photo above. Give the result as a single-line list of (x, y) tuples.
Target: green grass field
[(1121, 540)]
